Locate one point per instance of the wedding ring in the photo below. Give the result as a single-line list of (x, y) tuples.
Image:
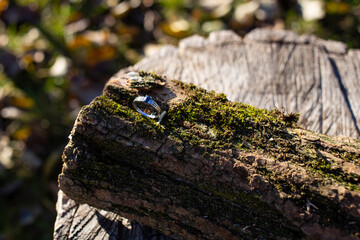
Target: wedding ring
[(149, 103)]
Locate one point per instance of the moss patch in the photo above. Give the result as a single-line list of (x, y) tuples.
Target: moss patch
[(148, 80), (108, 107), (209, 119)]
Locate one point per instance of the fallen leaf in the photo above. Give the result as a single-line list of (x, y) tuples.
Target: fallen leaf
[(3, 5), (100, 54)]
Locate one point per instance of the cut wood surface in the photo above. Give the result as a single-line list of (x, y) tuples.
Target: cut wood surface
[(233, 73), (273, 69), (81, 221)]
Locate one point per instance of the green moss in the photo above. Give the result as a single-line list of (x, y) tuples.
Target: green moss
[(107, 106), (209, 120), (326, 208), (345, 155), (153, 75), (313, 159), (148, 80), (229, 122), (119, 94)]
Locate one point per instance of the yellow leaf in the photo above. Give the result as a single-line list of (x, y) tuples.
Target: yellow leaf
[(78, 42), (178, 29), (27, 59), (3, 5), (22, 133), (337, 8), (27, 62), (99, 54), (22, 102)]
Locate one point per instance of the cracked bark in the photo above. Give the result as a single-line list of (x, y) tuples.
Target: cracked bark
[(273, 182)]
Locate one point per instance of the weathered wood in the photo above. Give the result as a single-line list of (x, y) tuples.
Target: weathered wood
[(273, 69), (81, 221), (224, 62), (213, 169)]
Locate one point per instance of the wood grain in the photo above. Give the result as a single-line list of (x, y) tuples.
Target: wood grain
[(272, 69), (81, 221)]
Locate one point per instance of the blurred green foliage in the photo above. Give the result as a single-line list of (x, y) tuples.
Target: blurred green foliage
[(56, 55)]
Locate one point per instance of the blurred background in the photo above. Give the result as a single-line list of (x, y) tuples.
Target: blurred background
[(56, 55)]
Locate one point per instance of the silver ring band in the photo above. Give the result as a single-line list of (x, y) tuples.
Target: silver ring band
[(148, 101)]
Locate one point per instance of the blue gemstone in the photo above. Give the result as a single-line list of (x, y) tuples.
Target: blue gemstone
[(147, 99)]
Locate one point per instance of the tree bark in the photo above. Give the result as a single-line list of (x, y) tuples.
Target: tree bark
[(212, 169)]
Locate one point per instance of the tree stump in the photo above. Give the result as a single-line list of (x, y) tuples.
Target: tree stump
[(216, 169)]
